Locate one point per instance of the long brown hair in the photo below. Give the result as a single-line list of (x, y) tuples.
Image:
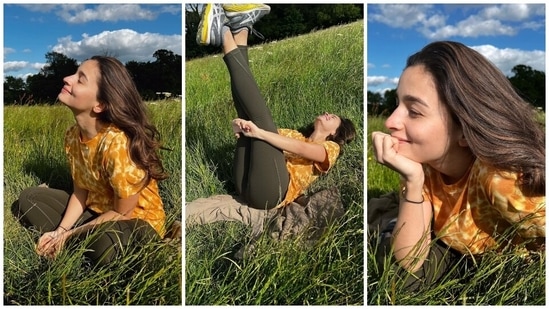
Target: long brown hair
[(345, 133), (497, 123), (123, 107)]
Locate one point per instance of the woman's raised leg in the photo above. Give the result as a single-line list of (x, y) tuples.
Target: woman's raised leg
[(260, 169)]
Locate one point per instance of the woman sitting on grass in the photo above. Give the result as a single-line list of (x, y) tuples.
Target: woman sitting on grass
[(112, 153), (272, 166), (471, 159)]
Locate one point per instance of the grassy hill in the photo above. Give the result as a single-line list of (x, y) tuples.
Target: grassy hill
[(300, 78)]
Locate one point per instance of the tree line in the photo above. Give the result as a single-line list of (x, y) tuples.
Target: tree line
[(153, 79), (283, 21), (529, 84)]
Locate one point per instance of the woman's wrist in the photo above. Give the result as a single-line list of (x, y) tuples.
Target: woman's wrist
[(61, 229), (416, 199), (412, 192), (260, 134)]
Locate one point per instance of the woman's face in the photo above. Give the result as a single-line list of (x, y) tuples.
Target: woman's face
[(421, 122), (80, 89), (327, 123)]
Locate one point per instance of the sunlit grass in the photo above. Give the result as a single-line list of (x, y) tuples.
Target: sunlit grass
[(300, 78), (33, 154)]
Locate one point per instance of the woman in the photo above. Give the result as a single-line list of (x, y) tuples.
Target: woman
[(112, 153), (272, 166), (471, 159)]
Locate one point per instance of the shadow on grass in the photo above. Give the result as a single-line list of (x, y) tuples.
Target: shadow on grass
[(49, 169)]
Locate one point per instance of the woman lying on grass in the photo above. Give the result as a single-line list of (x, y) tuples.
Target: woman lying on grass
[(112, 153), (272, 166), (471, 159)]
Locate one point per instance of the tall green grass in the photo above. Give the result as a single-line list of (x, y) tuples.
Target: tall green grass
[(505, 278), (300, 78), (33, 154)]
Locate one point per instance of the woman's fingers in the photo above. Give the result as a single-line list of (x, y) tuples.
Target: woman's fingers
[(384, 147), (49, 243), (43, 242)]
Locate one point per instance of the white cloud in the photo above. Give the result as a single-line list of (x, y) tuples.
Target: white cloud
[(75, 13), (400, 15), (105, 12), (506, 19), (505, 59), (7, 51), (14, 66), (510, 12), (373, 81), (125, 44), (471, 27), (37, 65), (11, 66)]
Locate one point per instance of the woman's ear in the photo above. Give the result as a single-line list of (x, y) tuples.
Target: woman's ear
[(98, 108)]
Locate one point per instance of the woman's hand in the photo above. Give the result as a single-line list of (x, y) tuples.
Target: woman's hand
[(51, 243), (386, 153), (246, 127)]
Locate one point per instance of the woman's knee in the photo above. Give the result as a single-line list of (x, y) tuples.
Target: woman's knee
[(123, 238), (26, 199)]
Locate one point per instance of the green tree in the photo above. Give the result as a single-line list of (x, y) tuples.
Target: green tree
[(284, 20), (161, 75), (15, 91), (390, 101), (530, 84), (45, 85), (375, 102), (168, 68)]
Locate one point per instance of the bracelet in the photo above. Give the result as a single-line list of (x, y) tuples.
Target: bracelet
[(407, 200), (63, 228)]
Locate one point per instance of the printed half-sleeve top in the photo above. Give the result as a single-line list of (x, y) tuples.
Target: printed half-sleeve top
[(103, 167), (472, 214), (303, 171)]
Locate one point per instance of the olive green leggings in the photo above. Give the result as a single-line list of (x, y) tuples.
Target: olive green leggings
[(42, 209), (259, 169)]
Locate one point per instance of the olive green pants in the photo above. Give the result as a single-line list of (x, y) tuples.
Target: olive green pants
[(42, 209), (259, 169)]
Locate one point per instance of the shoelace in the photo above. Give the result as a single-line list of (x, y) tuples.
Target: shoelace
[(257, 34)]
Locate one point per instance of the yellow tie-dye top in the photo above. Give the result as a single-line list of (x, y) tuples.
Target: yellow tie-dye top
[(472, 214), (303, 171), (103, 167)]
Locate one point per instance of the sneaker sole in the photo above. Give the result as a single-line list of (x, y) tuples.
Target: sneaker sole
[(207, 16)]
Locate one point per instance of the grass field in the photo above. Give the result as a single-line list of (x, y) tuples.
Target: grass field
[(33, 154), (300, 78), (507, 278)]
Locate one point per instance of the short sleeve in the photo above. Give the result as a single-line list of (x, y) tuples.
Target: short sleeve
[(124, 176), (332, 152), (526, 213)]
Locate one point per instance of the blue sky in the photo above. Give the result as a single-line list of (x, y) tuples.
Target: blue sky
[(79, 31), (506, 34)]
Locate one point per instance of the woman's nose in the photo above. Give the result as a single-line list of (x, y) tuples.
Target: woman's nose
[(69, 79), (394, 121)]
